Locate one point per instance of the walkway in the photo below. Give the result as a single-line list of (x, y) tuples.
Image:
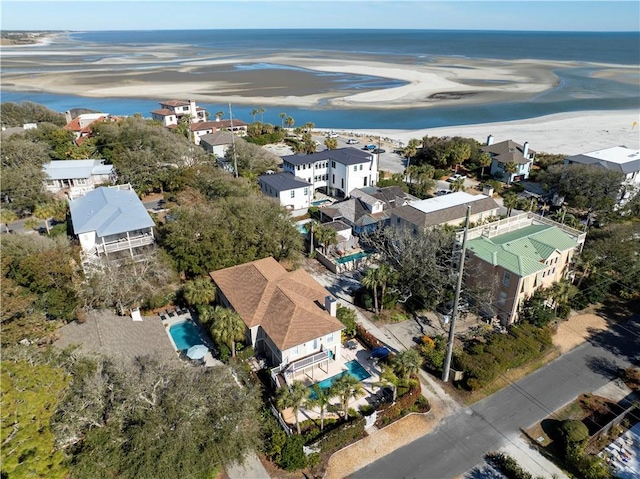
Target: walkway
[(251, 469)]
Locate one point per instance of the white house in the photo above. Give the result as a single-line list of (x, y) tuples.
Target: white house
[(111, 222), (289, 317), (217, 143), (618, 158), (293, 193), (336, 172), (440, 210), (509, 152), (77, 177), (172, 111)]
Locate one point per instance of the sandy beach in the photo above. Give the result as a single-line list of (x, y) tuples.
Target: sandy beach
[(562, 133), (296, 79)]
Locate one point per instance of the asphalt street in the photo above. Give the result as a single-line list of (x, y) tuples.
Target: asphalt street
[(461, 440)]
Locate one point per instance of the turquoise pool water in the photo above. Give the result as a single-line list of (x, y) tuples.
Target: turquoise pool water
[(353, 367), (184, 335), (351, 257), (320, 202), (302, 228)]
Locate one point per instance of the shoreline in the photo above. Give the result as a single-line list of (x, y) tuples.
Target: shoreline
[(568, 133)]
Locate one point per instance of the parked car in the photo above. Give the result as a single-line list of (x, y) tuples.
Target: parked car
[(443, 192), (378, 151), (456, 177), (369, 147), (332, 134), (352, 141)]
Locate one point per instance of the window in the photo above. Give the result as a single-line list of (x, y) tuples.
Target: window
[(304, 167), (333, 164), (506, 279), (355, 167), (308, 180), (365, 181), (298, 167), (398, 220), (293, 193), (360, 167), (306, 192), (342, 184), (502, 298), (333, 179), (330, 338), (553, 271), (544, 273), (294, 351)]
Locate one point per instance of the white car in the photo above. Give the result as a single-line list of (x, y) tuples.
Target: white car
[(332, 134), (352, 141), (443, 192), (456, 177)]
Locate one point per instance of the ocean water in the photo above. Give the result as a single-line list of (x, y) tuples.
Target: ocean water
[(579, 89)]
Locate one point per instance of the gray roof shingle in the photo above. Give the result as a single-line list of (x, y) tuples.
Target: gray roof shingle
[(345, 156), (283, 181)]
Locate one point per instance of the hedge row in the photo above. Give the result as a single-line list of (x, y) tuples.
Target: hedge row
[(369, 340), (392, 411), (507, 466)]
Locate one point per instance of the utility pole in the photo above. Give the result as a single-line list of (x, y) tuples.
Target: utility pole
[(233, 143), (456, 300)]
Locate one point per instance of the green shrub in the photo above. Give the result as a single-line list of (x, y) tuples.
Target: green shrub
[(507, 465), (573, 432), (342, 436), (245, 352), (293, 457), (367, 410), (404, 402)]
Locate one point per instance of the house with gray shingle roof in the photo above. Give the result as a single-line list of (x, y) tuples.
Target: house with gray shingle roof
[(508, 152), (217, 142), (111, 222), (519, 255), (443, 210), (289, 317), (292, 192), (618, 158)]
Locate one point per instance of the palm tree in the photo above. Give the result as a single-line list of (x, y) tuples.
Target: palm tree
[(458, 184), (409, 152), (308, 126), (289, 121), (219, 115), (314, 225), (561, 292), (345, 388), (227, 327), (293, 397), (322, 400), (510, 168), (199, 291), (331, 143), (484, 160), (510, 201), (386, 275), (282, 117), (408, 363), (371, 280), (254, 112), (411, 171), (54, 210), (261, 110), (329, 238)]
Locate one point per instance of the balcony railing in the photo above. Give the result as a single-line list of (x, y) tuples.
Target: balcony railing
[(125, 244)]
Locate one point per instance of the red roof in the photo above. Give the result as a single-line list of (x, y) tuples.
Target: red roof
[(227, 123), (174, 103), (205, 125), (163, 112)]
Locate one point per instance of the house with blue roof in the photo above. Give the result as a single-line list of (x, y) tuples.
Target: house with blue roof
[(77, 177), (519, 255), (112, 223)]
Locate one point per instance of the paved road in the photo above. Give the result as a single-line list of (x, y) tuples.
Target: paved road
[(461, 440)]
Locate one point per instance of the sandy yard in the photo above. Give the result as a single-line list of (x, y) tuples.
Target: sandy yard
[(576, 330)]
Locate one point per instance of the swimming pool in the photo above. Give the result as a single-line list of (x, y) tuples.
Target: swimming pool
[(353, 367), (320, 202), (351, 257), (184, 335), (302, 228)]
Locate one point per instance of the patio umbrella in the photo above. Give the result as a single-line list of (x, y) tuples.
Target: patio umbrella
[(379, 352), (197, 352)]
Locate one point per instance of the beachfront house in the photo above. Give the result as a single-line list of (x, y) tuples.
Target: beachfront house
[(172, 111), (335, 172), (368, 208), (443, 210), (618, 158), (289, 317), (217, 143), (509, 152), (75, 178), (111, 223), (293, 193), (519, 255)]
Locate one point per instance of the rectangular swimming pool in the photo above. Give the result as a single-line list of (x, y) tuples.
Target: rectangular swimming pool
[(185, 335), (353, 367), (351, 257)]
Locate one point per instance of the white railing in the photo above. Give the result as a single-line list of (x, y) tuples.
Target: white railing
[(125, 244)]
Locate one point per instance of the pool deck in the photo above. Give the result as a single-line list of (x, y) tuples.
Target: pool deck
[(360, 354), (175, 318)]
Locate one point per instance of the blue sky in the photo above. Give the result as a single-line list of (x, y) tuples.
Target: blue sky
[(234, 14)]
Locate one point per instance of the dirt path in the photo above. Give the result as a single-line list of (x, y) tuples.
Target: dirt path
[(576, 330)]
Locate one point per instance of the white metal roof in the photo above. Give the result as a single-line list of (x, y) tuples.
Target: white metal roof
[(446, 201), (72, 169)]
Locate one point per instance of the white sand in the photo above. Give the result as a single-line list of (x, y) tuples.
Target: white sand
[(562, 133)]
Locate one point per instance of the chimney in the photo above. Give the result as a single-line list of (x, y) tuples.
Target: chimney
[(67, 116), (193, 111), (490, 140), (525, 149), (331, 305)]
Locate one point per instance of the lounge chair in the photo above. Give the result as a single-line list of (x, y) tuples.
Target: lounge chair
[(162, 315)]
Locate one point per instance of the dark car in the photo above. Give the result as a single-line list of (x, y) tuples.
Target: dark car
[(377, 151)]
